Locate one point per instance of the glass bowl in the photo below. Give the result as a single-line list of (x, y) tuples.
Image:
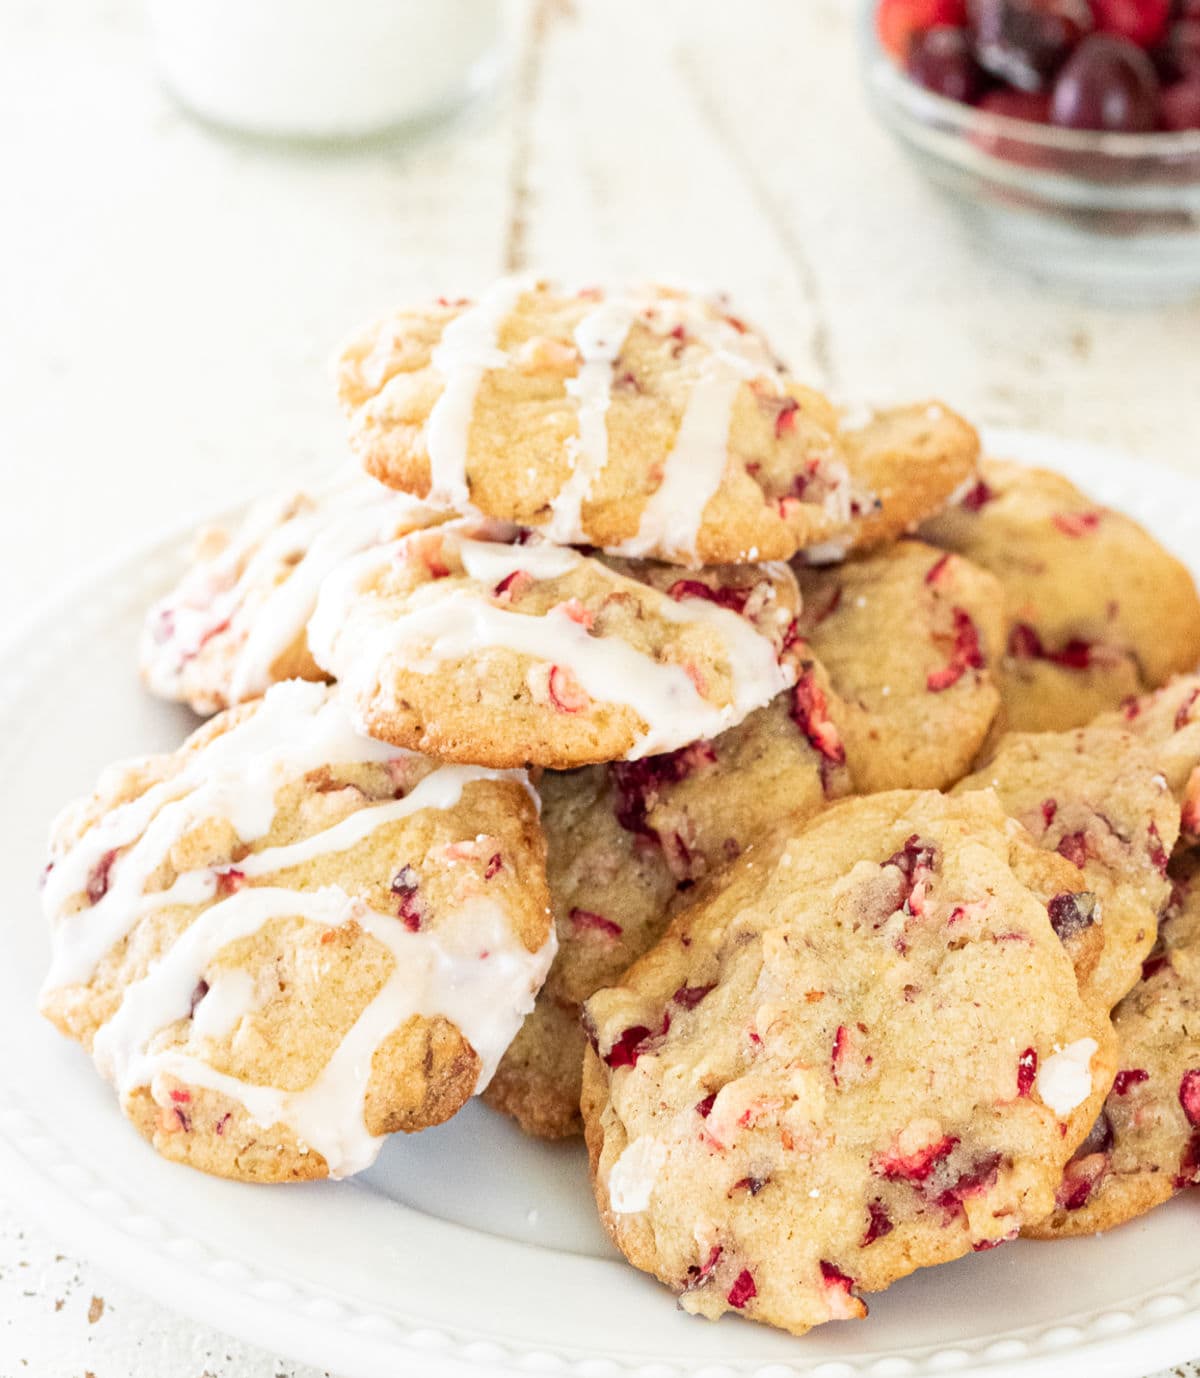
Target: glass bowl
[(1113, 217)]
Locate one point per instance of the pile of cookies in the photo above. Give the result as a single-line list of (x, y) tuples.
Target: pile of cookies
[(798, 805)]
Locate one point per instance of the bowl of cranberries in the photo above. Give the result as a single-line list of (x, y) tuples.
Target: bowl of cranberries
[(1067, 130)]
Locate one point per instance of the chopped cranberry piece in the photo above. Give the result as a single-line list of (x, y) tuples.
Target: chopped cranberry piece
[(639, 783), (512, 586), (1184, 715), (915, 1166), (937, 571), (578, 613), (410, 910), (197, 995), (830, 608), (810, 710), (1189, 1163), (834, 1278), (785, 421), (494, 866), (916, 861), (1074, 846), (976, 497), (1024, 643), (751, 1184), (588, 919), (966, 654), (1027, 1066), (841, 1040), (1181, 102), (742, 1291), (1076, 524), (1153, 965), (219, 1127), (980, 1177), (98, 878), (698, 1273), (181, 1097), (1189, 1095), (1049, 810), (735, 599), (1159, 857), (1071, 914), (566, 693), (1080, 1179), (704, 1107), (230, 881), (690, 996), (1134, 1076), (879, 1223), (634, 1043)]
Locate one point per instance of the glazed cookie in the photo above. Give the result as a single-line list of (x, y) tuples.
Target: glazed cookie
[(907, 636), (1168, 721), (480, 642), (864, 1053), (284, 941), (1097, 610), (650, 423), (1145, 1145), (1095, 796), (626, 845), (236, 623)]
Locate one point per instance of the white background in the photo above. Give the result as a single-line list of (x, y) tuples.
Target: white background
[(169, 300)]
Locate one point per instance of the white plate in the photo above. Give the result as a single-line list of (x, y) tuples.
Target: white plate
[(468, 1249)]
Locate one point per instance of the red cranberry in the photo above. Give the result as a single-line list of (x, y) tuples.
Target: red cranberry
[(633, 1043), (916, 1166), (588, 919), (1179, 55), (98, 877), (1074, 847), (1159, 857), (1025, 42), (704, 1107), (979, 494), (810, 710), (690, 996), (966, 654), (1107, 84), (1140, 21), (1189, 1096), (1071, 914), (879, 1223), (410, 910), (1181, 105), (896, 21), (742, 1291), (1130, 1077), (941, 61), (732, 598), (1027, 1066)]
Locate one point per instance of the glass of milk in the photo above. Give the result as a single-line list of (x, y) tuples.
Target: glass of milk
[(325, 70)]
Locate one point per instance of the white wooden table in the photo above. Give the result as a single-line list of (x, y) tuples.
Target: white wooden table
[(168, 301)]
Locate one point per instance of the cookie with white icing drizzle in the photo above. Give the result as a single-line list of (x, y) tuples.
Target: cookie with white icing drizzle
[(479, 642), (284, 941), (627, 843), (864, 1053), (236, 622), (1096, 609), (648, 421), (910, 637)]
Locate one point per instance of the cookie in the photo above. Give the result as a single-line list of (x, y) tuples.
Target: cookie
[(1095, 796), (649, 422), (1097, 610), (627, 843), (908, 637), (283, 941), (1168, 721), (236, 622), (864, 1053), (1145, 1144), (477, 642)]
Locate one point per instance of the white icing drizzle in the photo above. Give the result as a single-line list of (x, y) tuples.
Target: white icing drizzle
[(470, 967), (264, 613), (599, 338), (467, 349), (694, 469), (353, 634)]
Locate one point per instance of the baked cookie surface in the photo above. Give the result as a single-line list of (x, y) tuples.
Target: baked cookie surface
[(865, 1052), (908, 636), (478, 642), (1168, 722), (284, 941), (648, 422), (627, 843), (1096, 609), (1145, 1144), (1097, 797), (236, 622)]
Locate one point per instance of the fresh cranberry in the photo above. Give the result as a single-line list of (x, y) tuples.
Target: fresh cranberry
[(898, 20), (1107, 84), (690, 996), (1124, 1080), (1071, 914), (1140, 21), (879, 1223), (1074, 847), (966, 654), (410, 910), (1027, 1066), (1178, 57), (588, 919), (634, 1043), (941, 61), (98, 878), (742, 1291), (1181, 105), (1189, 1096), (1025, 42)]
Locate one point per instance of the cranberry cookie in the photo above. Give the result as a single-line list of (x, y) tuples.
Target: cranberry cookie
[(1168, 721), (650, 423), (478, 642), (1096, 609), (284, 941), (1095, 796), (236, 623), (908, 636), (864, 1053), (1145, 1145), (626, 845)]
